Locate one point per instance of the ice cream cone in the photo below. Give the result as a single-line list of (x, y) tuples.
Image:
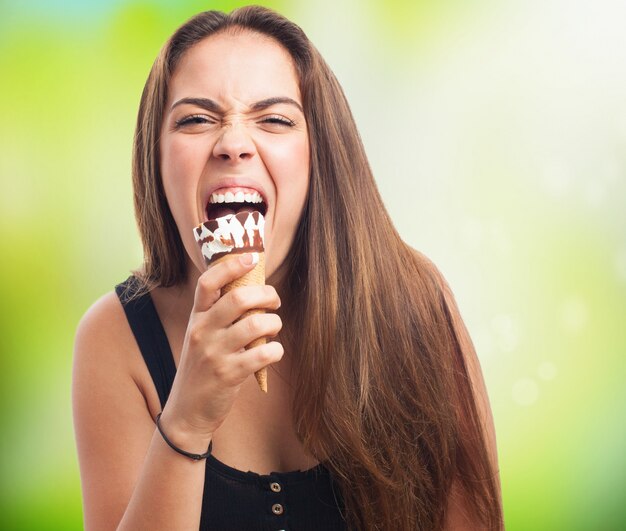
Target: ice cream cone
[(229, 236), (252, 278)]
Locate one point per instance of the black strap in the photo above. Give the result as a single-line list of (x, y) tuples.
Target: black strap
[(150, 336)]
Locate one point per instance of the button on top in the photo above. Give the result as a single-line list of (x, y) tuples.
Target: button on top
[(275, 487), (277, 508)]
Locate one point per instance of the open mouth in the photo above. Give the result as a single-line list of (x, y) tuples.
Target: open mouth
[(233, 201)]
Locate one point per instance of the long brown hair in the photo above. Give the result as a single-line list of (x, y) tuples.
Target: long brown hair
[(384, 395)]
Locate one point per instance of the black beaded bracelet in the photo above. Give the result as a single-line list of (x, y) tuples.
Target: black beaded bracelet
[(195, 457)]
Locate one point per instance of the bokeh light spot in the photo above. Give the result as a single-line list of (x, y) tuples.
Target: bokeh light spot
[(525, 392), (547, 370)]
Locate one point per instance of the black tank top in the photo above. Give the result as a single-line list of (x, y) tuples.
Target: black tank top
[(233, 499)]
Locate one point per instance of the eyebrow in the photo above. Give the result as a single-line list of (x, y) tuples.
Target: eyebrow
[(205, 103), (212, 106), (264, 104)]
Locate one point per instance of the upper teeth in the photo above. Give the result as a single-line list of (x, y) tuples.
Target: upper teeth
[(237, 197)]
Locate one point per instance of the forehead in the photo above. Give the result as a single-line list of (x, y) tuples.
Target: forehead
[(243, 65)]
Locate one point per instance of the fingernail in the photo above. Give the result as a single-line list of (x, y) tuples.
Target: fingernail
[(250, 259)]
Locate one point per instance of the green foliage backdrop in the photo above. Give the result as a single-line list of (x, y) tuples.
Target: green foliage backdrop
[(497, 132)]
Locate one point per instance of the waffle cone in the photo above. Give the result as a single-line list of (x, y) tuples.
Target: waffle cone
[(256, 277)]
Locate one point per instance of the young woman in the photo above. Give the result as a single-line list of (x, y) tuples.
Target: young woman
[(376, 415)]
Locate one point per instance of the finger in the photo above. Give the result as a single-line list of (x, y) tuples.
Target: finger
[(251, 327), (256, 358), (224, 271), (243, 299)]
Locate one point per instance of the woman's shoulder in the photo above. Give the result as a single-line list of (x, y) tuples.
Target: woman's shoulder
[(104, 340), (431, 270), (108, 365), (104, 321), (444, 290)]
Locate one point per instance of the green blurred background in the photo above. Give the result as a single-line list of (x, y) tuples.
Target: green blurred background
[(497, 132)]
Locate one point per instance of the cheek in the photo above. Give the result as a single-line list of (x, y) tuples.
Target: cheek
[(294, 153), (290, 171), (181, 163), (291, 199), (300, 178), (178, 158), (179, 184)]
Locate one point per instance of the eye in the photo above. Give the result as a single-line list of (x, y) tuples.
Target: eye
[(194, 120), (277, 119)]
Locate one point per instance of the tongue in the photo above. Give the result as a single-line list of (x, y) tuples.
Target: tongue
[(219, 211)]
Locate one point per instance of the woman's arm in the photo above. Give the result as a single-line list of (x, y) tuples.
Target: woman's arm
[(115, 433), (474, 372), (130, 478), (459, 513)]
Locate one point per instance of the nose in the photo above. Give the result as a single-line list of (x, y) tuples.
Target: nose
[(234, 144)]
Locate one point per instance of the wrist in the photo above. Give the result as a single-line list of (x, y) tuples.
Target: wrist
[(182, 437)]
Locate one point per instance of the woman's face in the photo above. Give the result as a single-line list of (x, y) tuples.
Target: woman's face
[(234, 123)]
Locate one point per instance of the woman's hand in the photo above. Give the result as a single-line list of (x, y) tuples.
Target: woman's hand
[(214, 362)]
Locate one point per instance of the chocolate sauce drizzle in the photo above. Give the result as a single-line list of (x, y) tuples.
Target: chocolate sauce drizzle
[(235, 233)]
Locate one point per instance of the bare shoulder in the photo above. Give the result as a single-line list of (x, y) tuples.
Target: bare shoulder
[(107, 359), (459, 515), (468, 351), (105, 349), (430, 269), (112, 420), (442, 284), (103, 328)]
